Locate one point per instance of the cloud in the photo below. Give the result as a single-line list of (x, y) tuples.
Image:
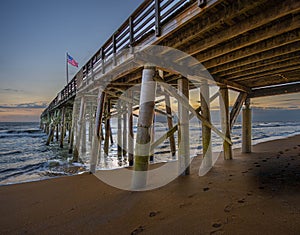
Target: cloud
[(35, 105), (10, 90)]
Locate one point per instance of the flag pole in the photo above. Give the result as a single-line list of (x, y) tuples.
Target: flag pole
[(67, 70)]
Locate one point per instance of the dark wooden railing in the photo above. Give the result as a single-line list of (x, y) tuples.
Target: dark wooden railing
[(145, 20)]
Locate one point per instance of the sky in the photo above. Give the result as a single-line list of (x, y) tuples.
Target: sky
[(35, 36)]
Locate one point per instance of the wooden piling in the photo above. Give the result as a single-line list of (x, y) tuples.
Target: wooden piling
[(247, 128), (51, 134), (145, 120), (206, 131), (119, 132), (225, 121), (72, 130), (107, 129), (130, 131), (83, 130), (152, 138), (170, 124), (79, 130), (125, 130), (62, 128), (97, 140), (184, 140)]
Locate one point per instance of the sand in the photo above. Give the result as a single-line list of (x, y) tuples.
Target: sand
[(257, 193)]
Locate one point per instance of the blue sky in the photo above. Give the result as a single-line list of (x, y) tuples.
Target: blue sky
[(35, 35)]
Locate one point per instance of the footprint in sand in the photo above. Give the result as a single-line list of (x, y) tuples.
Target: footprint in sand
[(153, 213), (228, 208), (138, 230), (217, 232), (205, 189), (241, 201)]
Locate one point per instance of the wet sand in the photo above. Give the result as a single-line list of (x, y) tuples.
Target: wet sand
[(257, 193)]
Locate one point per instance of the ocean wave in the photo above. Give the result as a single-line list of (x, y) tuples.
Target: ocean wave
[(13, 152), (19, 135)]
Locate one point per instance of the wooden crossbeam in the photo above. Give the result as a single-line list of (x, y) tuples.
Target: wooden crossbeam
[(190, 108), (261, 63), (277, 90), (237, 108), (247, 39), (263, 46)]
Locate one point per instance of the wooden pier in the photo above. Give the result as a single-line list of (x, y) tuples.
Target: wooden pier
[(251, 47)]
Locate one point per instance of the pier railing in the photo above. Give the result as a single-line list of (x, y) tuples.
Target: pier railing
[(146, 20)]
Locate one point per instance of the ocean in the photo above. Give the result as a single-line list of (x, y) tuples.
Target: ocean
[(25, 157)]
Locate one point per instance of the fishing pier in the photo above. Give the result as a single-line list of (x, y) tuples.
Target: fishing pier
[(165, 50)]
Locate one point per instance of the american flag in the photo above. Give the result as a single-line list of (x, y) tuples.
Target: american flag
[(71, 61)]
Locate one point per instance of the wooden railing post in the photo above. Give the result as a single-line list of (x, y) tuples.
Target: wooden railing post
[(131, 34), (102, 59), (114, 43), (157, 18)]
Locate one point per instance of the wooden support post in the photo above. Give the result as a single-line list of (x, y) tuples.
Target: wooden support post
[(152, 137), (170, 125), (83, 130), (247, 128), (183, 134), (206, 131), (62, 128), (91, 122), (145, 120), (225, 121), (130, 131), (119, 132), (97, 140), (107, 129), (111, 134), (79, 130), (51, 134), (69, 132), (237, 108), (72, 131), (57, 131), (124, 130)]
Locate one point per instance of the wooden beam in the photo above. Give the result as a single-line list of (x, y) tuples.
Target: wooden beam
[(130, 130), (191, 109), (210, 20), (184, 159), (265, 69), (263, 46), (277, 79), (248, 60), (225, 121), (237, 108), (170, 124), (119, 131), (277, 90), (245, 40), (246, 128), (107, 129), (206, 132), (145, 120), (270, 73)]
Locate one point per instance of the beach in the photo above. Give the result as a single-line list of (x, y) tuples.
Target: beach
[(257, 193)]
